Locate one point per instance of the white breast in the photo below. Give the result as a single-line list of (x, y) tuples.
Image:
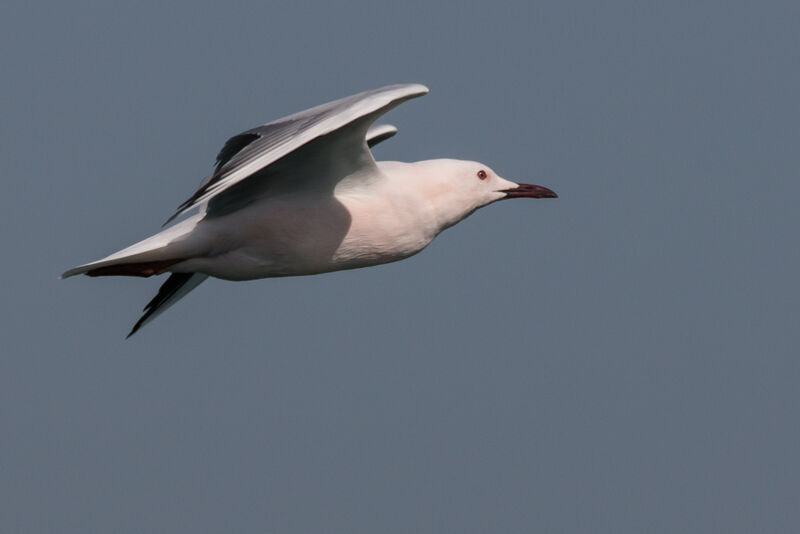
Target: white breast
[(385, 227)]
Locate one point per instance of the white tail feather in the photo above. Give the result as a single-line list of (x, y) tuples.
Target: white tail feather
[(165, 245)]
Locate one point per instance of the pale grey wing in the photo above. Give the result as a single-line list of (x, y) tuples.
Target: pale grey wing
[(379, 132), (250, 152)]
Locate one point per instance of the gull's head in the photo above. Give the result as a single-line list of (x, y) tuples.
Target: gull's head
[(457, 188)]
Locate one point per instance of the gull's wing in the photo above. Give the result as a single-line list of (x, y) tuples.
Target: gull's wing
[(344, 122), (377, 133), (380, 132)]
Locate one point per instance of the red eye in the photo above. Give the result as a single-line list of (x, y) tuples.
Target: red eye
[(482, 174)]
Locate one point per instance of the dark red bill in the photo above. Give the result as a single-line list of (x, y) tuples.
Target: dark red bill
[(529, 191)]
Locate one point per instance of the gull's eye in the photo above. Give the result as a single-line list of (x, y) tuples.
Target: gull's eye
[(482, 174)]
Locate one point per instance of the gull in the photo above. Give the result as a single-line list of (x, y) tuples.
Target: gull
[(303, 195)]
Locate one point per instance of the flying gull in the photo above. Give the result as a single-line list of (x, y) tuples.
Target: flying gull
[(303, 195)]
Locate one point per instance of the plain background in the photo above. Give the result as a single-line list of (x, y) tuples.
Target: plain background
[(622, 359)]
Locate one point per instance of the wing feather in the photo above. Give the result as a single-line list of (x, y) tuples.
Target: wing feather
[(379, 133), (249, 152), (233, 146)]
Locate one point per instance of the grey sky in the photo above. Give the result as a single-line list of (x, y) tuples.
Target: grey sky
[(622, 359)]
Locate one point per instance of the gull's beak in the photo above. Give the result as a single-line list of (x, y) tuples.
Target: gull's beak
[(529, 191)]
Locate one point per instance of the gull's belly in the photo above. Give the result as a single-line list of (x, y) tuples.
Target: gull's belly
[(293, 238)]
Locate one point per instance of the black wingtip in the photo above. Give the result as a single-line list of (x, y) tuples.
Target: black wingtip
[(167, 289), (134, 329), (371, 142), (141, 321)]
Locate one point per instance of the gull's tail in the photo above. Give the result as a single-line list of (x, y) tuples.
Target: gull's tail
[(175, 288), (152, 256)]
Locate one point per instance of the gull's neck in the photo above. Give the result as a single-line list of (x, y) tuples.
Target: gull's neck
[(428, 183)]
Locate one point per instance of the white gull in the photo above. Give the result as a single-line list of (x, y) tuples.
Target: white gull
[(303, 195)]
